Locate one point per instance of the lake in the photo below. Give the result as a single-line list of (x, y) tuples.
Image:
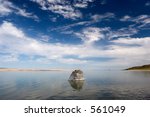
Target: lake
[(54, 85)]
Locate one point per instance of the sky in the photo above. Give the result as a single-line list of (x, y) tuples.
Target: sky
[(90, 34)]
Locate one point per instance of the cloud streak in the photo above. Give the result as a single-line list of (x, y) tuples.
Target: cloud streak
[(142, 20), (7, 8), (90, 35), (60, 7), (93, 20), (82, 3), (106, 16), (67, 9)]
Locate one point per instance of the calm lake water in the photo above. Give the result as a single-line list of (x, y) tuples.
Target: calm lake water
[(98, 85)]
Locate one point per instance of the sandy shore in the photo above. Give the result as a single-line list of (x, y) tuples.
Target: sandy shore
[(19, 69)]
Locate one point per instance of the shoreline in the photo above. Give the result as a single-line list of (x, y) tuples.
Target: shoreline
[(138, 70), (24, 70)]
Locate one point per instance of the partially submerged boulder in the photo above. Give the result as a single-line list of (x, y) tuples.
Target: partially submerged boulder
[(76, 84), (76, 75)]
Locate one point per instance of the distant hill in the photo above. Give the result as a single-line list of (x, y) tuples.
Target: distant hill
[(143, 67)]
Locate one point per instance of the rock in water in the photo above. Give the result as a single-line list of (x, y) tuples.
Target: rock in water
[(76, 84), (76, 75)]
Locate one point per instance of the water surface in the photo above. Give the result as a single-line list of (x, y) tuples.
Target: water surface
[(55, 85)]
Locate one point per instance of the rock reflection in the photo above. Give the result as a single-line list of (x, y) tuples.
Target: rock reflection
[(76, 84)]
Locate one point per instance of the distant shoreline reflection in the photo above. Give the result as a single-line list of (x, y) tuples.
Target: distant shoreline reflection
[(76, 84)]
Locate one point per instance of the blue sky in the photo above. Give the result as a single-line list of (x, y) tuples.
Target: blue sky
[(96, 34)]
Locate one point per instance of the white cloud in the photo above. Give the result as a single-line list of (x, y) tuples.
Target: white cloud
[(123, 32), (7, 8), (82, 3), (93, 19), (44, 38), (140, 41), (9, 58), (72, 61), (142, 20), (125, 18), (61, 7), (138, 49), (66, 27), (66, 10), (22, 12), (18, 43), (90, 35), (106, 16), (15, 43), (8, 29)]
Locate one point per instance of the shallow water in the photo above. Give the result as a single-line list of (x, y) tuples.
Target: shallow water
[(55, 85)]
